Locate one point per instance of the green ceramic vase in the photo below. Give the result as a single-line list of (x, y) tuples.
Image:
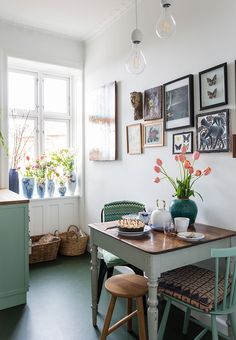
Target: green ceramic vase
[(184, 208)]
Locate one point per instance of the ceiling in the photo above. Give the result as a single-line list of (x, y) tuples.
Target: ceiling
[(80, 19)]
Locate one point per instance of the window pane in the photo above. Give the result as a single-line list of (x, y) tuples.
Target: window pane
[(56, 135), (21, 91), (55, 94), (21, 140)]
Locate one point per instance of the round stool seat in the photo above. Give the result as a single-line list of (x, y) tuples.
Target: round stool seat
[(127, 285)]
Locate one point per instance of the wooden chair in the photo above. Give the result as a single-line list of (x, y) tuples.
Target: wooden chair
[(129, 286), (111, 212), (203, 291)]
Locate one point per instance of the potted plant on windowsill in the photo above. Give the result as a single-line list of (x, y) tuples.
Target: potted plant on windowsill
[(39, 171), (51, 175), (28, 179), (62, 185)]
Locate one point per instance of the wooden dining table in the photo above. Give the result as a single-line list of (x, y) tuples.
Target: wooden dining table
[(154, 253)]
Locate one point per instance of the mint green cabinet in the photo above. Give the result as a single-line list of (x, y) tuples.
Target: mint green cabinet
[(14, 248)]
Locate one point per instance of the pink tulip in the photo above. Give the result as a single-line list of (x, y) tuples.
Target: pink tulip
[(27, 158), (207, 171), (157, 168), (159, 162), (184, 149), (187, 164), (182, 158), (157, 180), (191, 170), (176, 158), (198, 173), (196, 155)]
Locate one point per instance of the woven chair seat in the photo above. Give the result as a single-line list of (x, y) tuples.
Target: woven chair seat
[(192, 285)]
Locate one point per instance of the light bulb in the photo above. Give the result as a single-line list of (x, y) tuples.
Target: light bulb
[(136, 61), (166, 25)]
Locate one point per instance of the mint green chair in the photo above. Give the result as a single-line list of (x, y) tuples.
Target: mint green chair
[(204, 291), (111, 212)]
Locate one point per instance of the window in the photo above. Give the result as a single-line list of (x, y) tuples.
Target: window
[(40, 118)]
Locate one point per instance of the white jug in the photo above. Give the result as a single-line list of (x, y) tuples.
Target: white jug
[(160, 216)]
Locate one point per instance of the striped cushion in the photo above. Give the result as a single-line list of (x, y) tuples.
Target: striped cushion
[(115, 210), (192, 285), (112, 260)]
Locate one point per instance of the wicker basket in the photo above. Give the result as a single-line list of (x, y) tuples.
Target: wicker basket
[(41, 252), (73, 242)]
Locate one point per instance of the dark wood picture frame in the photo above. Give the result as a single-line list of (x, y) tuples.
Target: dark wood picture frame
[(134, 138), (234, 146), (177, 150), (214, 124), (173, 92), (213, 82), (153, 103)]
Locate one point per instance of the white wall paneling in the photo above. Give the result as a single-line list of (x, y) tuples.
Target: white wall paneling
[(47, 215)]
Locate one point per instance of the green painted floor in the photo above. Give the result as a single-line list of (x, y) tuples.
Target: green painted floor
[(58, 307)]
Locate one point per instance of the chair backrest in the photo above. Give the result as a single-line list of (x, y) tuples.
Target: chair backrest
[(228, 290), (115, 210)]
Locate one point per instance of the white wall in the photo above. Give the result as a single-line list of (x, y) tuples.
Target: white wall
[(205, 37)]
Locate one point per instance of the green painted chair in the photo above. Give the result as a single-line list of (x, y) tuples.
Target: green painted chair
[(204, 291), (111, 212)]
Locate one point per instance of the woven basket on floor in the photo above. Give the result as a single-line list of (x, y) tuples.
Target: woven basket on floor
[(73, 241), (41, 252)]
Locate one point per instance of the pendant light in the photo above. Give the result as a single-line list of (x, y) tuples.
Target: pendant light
[(136, 62), (166, 25)]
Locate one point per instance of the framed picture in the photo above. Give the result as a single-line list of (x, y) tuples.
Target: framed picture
[(183, 139), (213, 131), (153, 103), (234, 146), (153, 133), (178, 103), (102, 123), (134, 139), (213, 87)]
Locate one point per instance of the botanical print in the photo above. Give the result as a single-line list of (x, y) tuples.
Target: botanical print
[(153, 103), (213, 131), (153, 133), (134, 139), (102, 124), (183, 139), (136, 99)]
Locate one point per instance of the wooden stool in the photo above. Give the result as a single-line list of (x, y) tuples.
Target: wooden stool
[(126, 286)]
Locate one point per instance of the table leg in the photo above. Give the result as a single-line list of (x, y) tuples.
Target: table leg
[(94, 282), (152, 308)]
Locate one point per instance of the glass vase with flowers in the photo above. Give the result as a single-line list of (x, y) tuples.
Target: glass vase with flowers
[(183, 185)]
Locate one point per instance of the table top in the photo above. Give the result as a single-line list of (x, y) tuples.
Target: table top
[(156, 242), (10, 197)]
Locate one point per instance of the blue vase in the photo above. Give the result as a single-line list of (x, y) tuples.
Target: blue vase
[(28, 186), (41, 189), (184, 208), (62, 190), (72, 183), (14, 180), (50, 187)]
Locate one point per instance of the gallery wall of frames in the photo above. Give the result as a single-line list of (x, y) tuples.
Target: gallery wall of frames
[(170, 107)]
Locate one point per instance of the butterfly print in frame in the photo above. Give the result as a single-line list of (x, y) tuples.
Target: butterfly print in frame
[(182, 139), (212, 81), (212, 95)]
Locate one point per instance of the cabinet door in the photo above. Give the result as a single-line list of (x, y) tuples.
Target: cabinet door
[(13, 251)]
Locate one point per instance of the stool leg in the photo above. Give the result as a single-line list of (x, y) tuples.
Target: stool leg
[(129, 311), (108, 318), (141, 321)]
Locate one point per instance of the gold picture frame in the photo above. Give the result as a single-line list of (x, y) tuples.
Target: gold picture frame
[(153, 133)]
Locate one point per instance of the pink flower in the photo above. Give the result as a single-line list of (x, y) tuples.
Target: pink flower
[(184, 149), (176, 158), (182, 158), (198, 173), (157, 168), (27, 158), (187, 164), (191, 170), (157, 180), (196, 155), (207, 171), (159, 162)]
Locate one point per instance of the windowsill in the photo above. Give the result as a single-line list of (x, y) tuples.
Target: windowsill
[(35, 199)]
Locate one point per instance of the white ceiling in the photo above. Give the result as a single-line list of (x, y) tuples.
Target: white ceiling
[(81, 19)]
